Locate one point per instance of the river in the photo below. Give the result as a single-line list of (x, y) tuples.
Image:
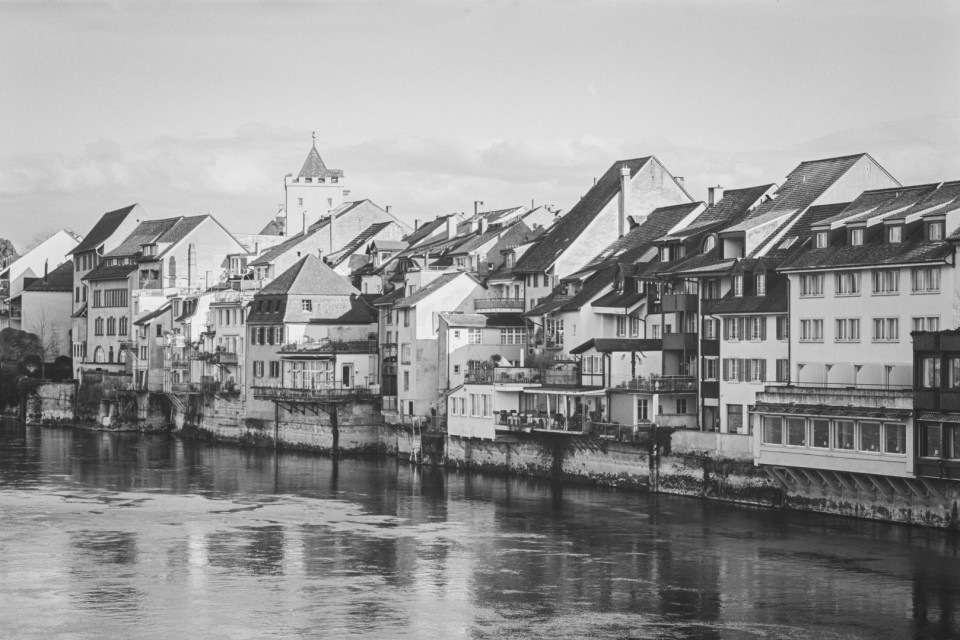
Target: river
[(147, 536)]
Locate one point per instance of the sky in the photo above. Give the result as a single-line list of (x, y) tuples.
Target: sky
[(428, 105)]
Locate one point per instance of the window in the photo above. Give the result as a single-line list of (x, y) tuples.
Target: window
[(681, 405), (756, 370), (591, 364), (406, 317), (856, 237), (389, 316), (159, 330), (123, 326), (97, 298), (274, 368), (757, 328), (772, 430), (930, 372), (405, 353), (926, 323), (554, 331), (732, 369), (783, 370), (953, 373), (870, 436), (733, 328), (456, 368), (710, 329), (845, 434), (643, 410), (895, 234), (738, 285), (761, 285), (299, 202), (98, 327), (621, 326), (811, 330), (886, 282), (711, 368), (820, 240), (811, 285), (515, 335), (796, 432), (783, 328), (886, 329), (77, 299), (848, 283), (925, 279), (734, 418), (406, 381), (474, 336), (634, 326), (895, 438), (655, 331), (306, 305), (930, 440), (711, 290), (848, 330), (111, 326), (935, 231), (820, 430), (258, 368)]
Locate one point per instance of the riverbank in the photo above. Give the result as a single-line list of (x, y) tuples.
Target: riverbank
[(710, 466)]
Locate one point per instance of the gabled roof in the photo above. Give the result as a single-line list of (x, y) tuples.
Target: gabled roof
[(150, 315), (112, 272), (308, 276), (104, 228), (313, 166), (358, 241), (565, 230), (58, 280), (389, 245), (732, 207), (276, 251), (424, 230), (147, 232), (640, 239), (616, 345), (440, 282)]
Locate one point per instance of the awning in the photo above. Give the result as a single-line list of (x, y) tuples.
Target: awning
[(829, 411), (933, 416), (566, 392), (307, 356)]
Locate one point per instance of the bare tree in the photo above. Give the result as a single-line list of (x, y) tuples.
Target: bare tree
[(47, 331)]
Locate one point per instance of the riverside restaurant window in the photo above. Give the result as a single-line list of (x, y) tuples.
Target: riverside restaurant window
[(310, 374), (867, 436)]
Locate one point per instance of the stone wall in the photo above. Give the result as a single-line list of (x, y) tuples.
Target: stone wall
[(51, 402)]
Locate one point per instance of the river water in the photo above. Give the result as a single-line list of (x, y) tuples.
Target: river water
[(146, 536)]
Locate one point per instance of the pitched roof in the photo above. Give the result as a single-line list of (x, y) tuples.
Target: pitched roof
[(112, 272), (146, 232), (565, 230), (775, 301), (480, 320), (358, 241), (104, 228), (619, 299), (731, 208), (390, 245), (359, 312), (150, 315), (313, 167), (60, 279), (423, 292), (914, 249), (308, 276), (610, 345), (632, 245), (425, 230)]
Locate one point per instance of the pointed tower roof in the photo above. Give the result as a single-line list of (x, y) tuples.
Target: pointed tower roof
[(313, 166)]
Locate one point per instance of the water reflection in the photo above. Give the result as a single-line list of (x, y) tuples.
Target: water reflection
[(104, 531)]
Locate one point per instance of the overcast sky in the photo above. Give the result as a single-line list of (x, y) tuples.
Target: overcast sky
[(428, 106)]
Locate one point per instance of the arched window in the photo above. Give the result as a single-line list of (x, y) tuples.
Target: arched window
[(98, 327), (123, 326), (111, 326), (98, 354)]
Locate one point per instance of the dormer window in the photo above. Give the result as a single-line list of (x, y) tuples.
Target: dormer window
[(935, 231), (895, 234), (708, 244), (761, 284), (788, 242), (738, 286), (148, 249), (664, 254), (820, 240), (509, 261), (856, 237)]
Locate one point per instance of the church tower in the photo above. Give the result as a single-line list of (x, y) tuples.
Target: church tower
[(313, 192)]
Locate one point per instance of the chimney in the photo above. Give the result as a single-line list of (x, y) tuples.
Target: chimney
[(624, 185), (416, 224), (679, 180), (304, 223), (451, 227), (714, 195), (483, 225), (46, 269), (388, 209)]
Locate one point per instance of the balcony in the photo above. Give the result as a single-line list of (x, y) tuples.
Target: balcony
[(660, 384), (679, 302), (150, 283), (318, 394), (565, 377), (331, 346), (225, 357), (498, 305), (680, 342), (128, 345)]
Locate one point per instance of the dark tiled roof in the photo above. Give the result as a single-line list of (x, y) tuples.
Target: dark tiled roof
[(104, 228), (542, 255), (276, 251), (146, 232), (272, 228), (313, 167), (388, 299), (914, 249), (735, 205), (611, 345), (640, 239), (308, 276), (799, 227), (831, 410), (390, 245), (619, 299), (774, 302), (150, 315), (881, 202), (357, 242), (360, 312), (590, 289), (181, 228), (60, 279), (339, 212), (424, 230), (113, 272)]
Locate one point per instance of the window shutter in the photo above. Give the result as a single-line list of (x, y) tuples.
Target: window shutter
[(763, 370), (726, 369), (743, 363), (763, 327), (726, 331)]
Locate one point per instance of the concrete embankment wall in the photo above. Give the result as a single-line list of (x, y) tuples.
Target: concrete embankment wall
[(51, 402)]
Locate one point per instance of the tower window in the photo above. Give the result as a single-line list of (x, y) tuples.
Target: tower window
[(299, 202)]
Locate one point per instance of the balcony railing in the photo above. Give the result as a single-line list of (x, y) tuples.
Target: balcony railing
[(150, 283), (498, 304), (525, 375), (620, 432), (660, 384), (184, 387), (296, 394)]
